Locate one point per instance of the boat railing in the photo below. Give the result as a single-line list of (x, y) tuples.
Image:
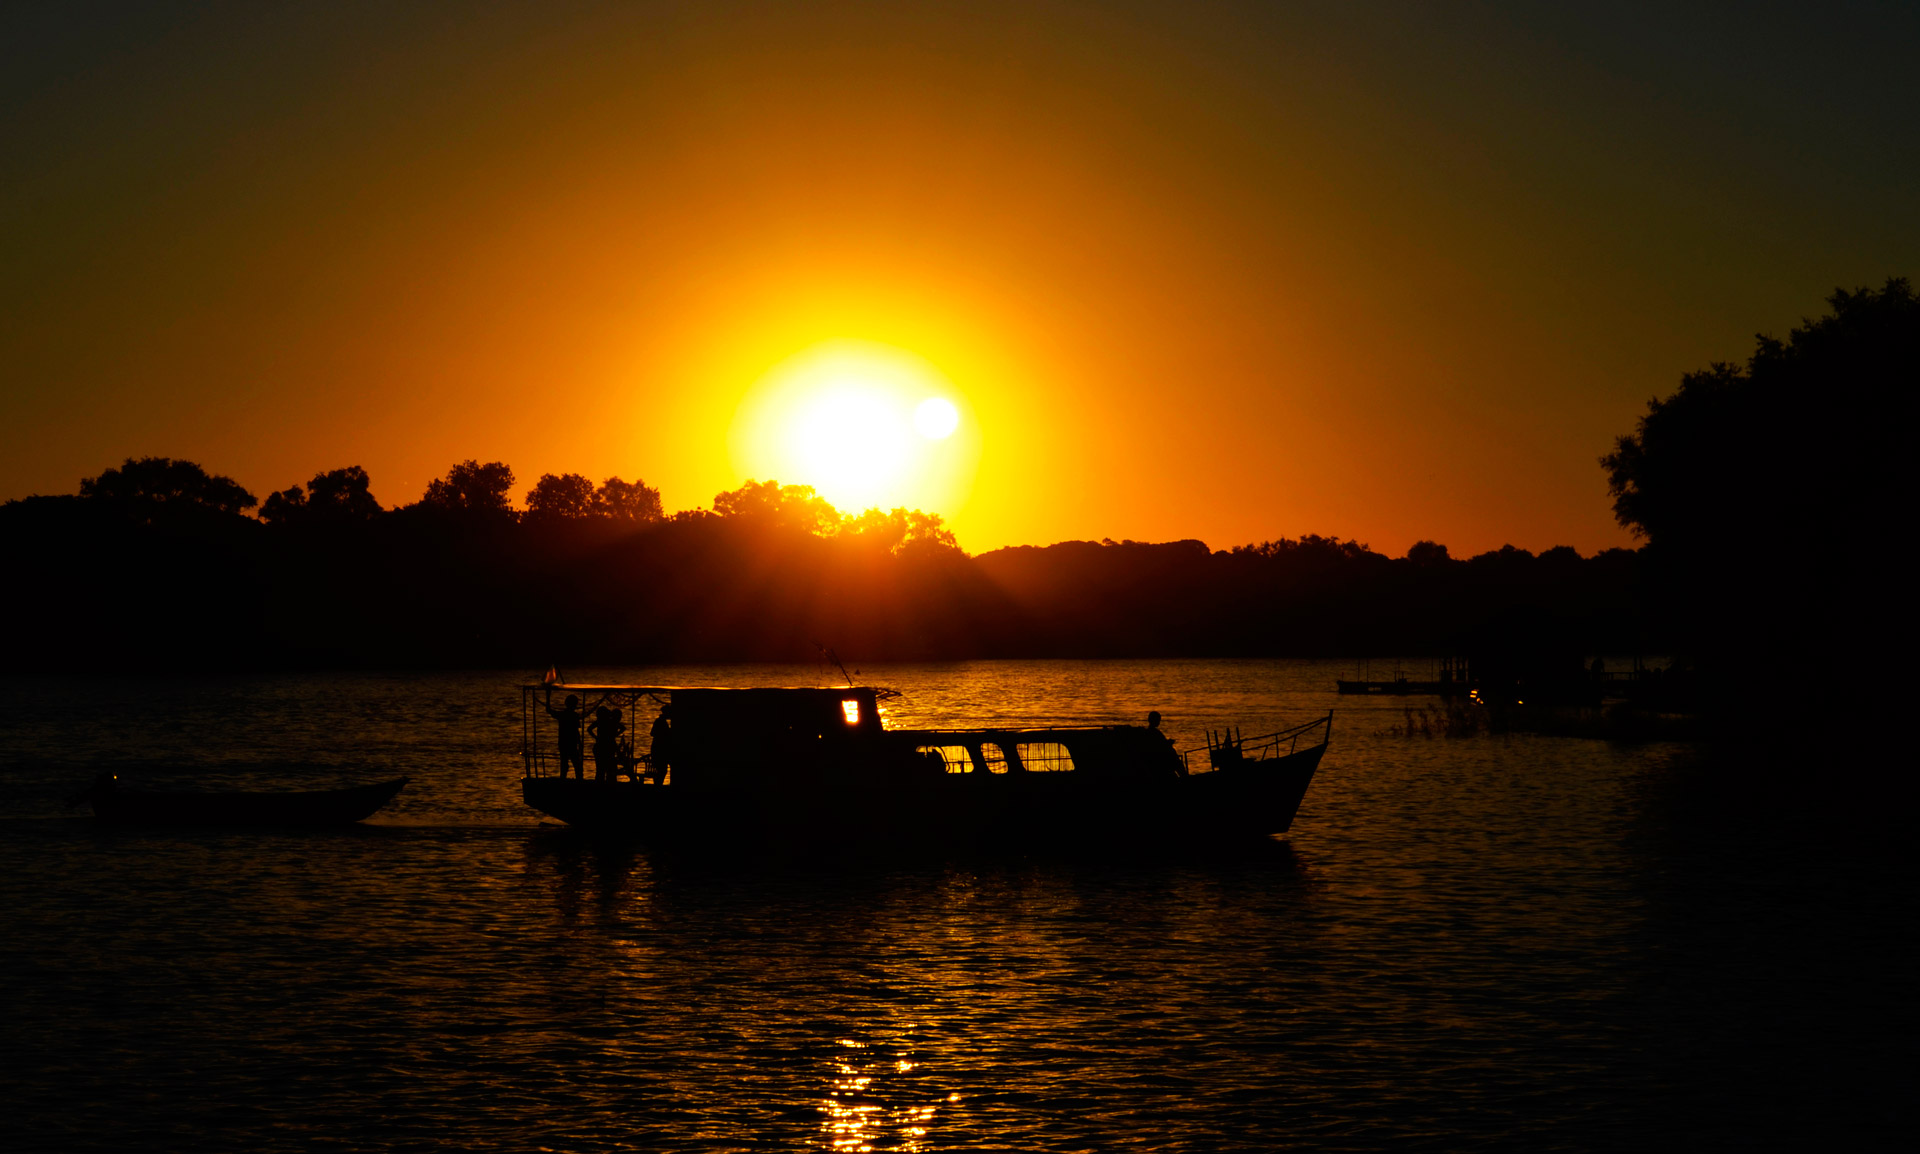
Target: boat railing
[(1228, 746), (627, 766)]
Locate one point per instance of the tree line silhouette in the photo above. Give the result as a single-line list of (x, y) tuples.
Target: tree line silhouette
[(159, 563)]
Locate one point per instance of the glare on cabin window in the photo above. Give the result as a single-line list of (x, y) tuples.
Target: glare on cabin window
[(851, 708), (1045, 757)]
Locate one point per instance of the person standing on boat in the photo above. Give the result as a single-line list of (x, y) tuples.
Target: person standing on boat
[(661, 754), (605, 730), (622, 758), (572, 749)]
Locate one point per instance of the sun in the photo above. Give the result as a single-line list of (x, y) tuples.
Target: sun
[(935, 418), (867, 425)]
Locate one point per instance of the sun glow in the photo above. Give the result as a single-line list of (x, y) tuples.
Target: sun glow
[(936, 418), (867, 425)]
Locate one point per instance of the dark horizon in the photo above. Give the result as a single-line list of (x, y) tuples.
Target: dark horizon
[(462, 579)]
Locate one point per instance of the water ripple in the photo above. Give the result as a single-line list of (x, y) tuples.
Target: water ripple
[(1465, 944)]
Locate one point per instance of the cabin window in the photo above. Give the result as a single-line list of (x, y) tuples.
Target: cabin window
[(953, 758), (851, 707), (1045, 757)]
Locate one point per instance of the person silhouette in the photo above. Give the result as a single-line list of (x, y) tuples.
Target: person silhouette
[(605, 730), (661, 754), (1153, 727), (572, 749), (622, 748)]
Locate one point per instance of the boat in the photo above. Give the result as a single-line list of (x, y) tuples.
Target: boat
[(1456, 679), (116, 803), (817, 764)]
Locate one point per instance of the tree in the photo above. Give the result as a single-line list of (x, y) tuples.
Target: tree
[(286, 507), (627, 501), (567, 497), (342, 496), (1806, 437), (474, 491), (903, 532), (1312, 546), (571, 497), (773, 504), (153, 487), (1428, 554), (1758, 486), (1506, 555)]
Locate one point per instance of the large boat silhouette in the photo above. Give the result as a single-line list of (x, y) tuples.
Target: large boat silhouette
[(810, 764)]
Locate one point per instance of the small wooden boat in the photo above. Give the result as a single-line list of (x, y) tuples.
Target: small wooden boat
[(116, 803)]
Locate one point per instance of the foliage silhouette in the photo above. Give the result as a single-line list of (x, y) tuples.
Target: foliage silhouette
[(342, 496), (631, 501), (159, 487), (473, 492), (1805, 444), (565, 497), (325, 577), (902, 531), (1803, 434), (571, 497), (770, 503)]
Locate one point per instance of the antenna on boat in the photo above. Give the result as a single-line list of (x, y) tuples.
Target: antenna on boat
[(830, 655)]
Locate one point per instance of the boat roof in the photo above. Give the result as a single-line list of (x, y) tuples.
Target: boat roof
[(576, 687), (1021, 731)]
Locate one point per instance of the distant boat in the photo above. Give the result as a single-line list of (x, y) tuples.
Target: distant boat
[(813, 765), (116, 803), (1404, 687), (1456, 680)]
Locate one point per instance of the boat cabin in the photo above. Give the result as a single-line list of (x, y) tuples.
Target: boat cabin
[(703, 738), (695, 736)]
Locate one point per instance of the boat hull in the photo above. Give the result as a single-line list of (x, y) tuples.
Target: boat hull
[(122, 806), (1250, 800)]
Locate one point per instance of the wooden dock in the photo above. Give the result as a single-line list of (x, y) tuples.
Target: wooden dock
[(1455, 679)]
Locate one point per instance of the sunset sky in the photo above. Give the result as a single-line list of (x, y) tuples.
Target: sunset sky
[(1230, 272)]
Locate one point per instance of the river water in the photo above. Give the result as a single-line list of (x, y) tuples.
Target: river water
[(1473, 943)]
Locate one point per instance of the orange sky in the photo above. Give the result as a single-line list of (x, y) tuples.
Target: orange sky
[(1386, 273)]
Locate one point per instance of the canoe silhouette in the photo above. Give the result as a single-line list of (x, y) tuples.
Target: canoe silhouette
[(116, 803)]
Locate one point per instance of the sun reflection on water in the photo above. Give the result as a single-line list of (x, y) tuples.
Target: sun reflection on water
[(857, 1113)]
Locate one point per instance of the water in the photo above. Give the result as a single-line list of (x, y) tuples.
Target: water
[(1482, 943)]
